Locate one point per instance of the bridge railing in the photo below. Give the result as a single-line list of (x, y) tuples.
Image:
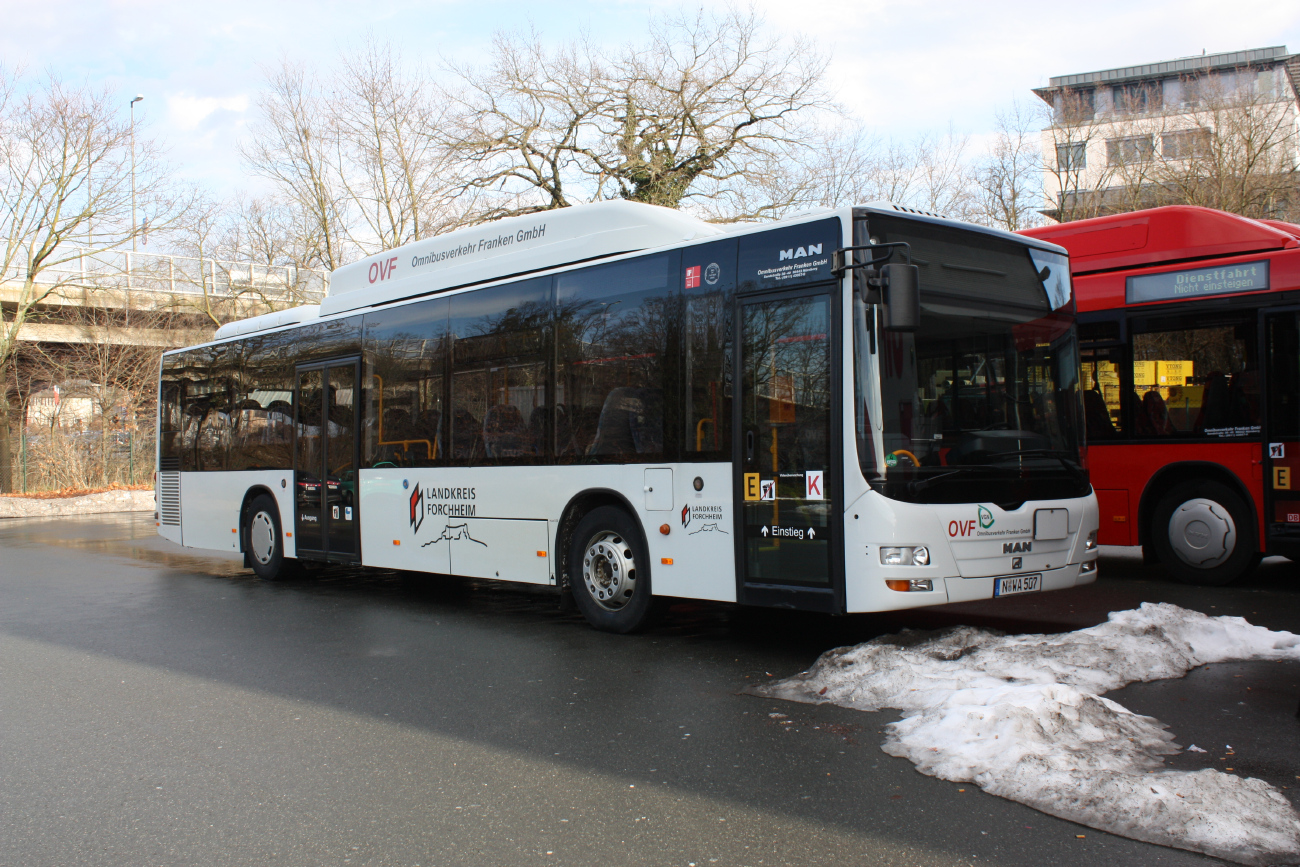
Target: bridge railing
[(161, 272)]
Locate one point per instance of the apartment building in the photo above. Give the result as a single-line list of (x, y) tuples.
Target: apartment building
[(1213, 129)]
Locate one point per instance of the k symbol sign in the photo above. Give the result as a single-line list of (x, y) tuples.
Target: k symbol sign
[(813, 489)]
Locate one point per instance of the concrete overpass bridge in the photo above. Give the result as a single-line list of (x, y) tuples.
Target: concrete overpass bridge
[(151, 299)]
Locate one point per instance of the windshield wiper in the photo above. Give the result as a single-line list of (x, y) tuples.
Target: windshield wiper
[(1070, 466), (921, 484)]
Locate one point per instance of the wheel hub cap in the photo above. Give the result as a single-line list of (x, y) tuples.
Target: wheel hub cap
[(1202, 533), (609, 570), (261, 538)]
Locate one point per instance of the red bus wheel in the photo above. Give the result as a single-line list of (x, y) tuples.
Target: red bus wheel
[(1202, 534)]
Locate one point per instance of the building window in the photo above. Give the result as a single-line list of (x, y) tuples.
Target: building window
[(1074, 106), (1185, 144), (1137, 97), (1072, 156), (1134, 149)]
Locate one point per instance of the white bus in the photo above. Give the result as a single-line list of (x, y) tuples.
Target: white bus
[(623, 402)]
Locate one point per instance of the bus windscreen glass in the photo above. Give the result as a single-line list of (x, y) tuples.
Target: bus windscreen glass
[(982, 403)]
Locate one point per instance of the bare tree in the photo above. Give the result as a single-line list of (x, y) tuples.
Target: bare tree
[(65, 179), (1008, 177), (1236, 150), (294, 145), (358, 155), (707, 104), (1076, 170)]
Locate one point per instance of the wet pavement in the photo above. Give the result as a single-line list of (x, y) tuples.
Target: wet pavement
[(160, 705)]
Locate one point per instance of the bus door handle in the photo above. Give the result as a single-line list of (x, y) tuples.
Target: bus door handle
[(749, 445)]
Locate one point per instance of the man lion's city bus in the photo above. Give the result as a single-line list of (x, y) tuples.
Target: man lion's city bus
[(1190, 322), (854, 410)]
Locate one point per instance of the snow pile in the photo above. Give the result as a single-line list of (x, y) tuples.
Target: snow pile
[(1022, 717)]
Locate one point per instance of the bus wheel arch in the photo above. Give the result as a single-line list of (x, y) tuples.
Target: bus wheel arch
[(1177, 496), (617, 543), (262, 535), (249, 496)]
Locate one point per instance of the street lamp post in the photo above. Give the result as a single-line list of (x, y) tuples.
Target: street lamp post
[(138, 97)]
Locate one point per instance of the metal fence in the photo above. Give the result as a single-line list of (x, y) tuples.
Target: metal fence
[(159, 272)]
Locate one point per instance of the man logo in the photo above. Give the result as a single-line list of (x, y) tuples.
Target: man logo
[(417, 508), (1017, 547), (801, 252)]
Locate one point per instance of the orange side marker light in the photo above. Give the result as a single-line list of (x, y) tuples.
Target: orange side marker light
[(541, 553), (397, 542), (667, 561)]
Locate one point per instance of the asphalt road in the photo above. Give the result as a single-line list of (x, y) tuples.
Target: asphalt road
[(161, 706)]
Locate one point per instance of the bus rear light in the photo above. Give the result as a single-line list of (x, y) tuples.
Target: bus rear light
[(907, 585), (1092, 541), (1088, 567)]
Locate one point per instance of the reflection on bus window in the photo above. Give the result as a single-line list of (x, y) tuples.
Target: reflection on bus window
[(1196, 381)]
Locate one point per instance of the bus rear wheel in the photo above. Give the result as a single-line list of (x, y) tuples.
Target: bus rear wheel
[(609, 571), (265, 540), (1202, 534)]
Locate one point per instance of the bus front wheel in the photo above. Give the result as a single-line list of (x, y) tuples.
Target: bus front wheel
[(265, 540), (609, 571), (1202, 534)]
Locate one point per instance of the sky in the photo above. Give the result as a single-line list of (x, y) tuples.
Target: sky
[(904, 68)]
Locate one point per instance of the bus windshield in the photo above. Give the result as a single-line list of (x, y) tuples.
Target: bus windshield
[(982, 402)]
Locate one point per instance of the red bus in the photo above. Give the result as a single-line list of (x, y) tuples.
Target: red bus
[(1189, 330)]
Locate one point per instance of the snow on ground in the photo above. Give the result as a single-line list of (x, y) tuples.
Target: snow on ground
[(1022, 717)]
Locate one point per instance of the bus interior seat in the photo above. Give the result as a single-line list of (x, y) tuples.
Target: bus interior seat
[(1152, 418), (466, 435), (1097, 416), (1216, 407), (630, 422), (504, 433)]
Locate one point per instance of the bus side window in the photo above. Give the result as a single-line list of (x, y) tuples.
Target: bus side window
[(499, 407), (1102, 410), (708, 281), (613, 324), (405, 352), (1192, 379)]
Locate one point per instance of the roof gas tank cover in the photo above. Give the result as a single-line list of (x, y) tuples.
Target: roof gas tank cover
[(509, 247)]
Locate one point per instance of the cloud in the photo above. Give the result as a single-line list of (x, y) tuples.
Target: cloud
[(188, 113)]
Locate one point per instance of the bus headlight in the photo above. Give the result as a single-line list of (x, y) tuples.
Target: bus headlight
[(912, 555), (1092, 541)]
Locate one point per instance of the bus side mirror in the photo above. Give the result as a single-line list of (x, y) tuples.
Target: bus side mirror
[(901, 294)]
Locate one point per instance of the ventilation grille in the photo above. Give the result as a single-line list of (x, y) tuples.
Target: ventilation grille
[(169, 498)]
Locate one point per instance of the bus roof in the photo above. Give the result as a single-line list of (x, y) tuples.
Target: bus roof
[(508, 247), (1161, 235)]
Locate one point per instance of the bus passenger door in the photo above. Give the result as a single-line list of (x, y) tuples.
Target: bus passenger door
[(327, 515), (1281, 441), (787, 467)]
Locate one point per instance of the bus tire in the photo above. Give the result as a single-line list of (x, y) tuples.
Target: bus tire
[(609, 571), (1203, 534), (264, 539)]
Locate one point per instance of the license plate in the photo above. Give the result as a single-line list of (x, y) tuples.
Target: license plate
[(1013, 584)]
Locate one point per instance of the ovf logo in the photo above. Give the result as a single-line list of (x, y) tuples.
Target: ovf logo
[(686, 515), (417, 508), (986, 518)]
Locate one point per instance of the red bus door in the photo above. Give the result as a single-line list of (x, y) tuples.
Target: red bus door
[(1282, 430)]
